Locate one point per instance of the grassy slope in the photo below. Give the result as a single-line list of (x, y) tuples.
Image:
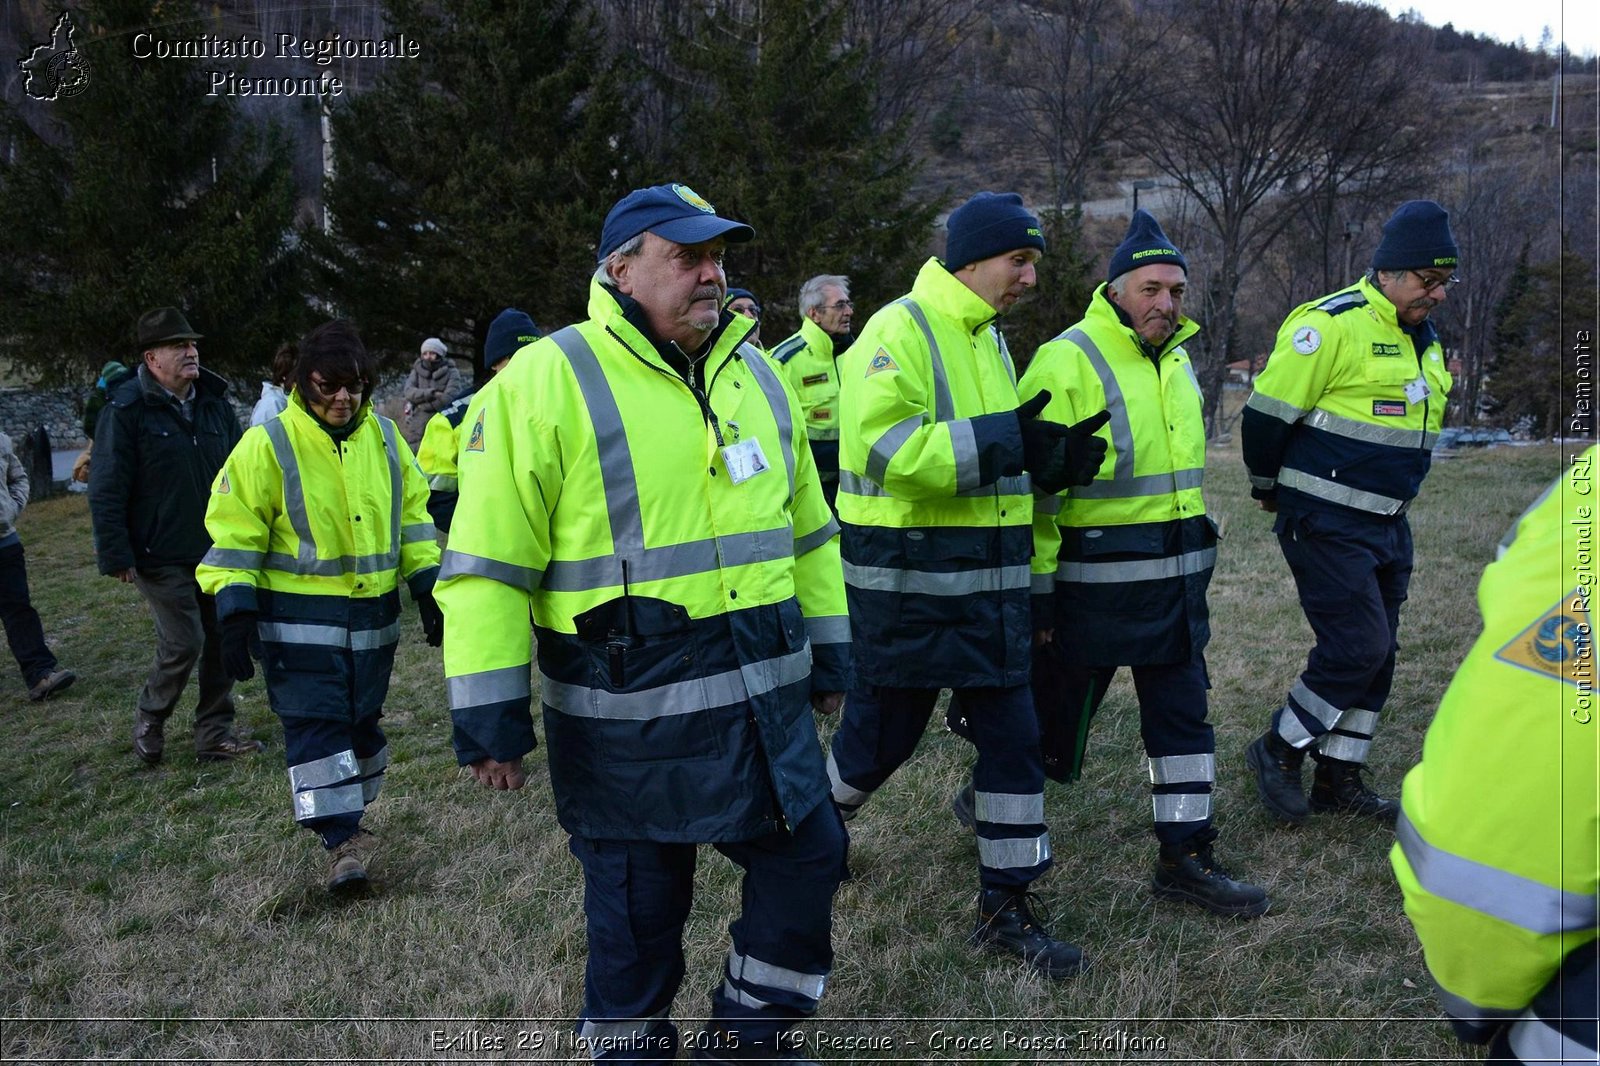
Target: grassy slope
[(186, 893)]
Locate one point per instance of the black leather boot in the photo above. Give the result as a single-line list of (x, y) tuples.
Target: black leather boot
[(1188, 872), (1276, 764), (1337, 786), (1006, 924)]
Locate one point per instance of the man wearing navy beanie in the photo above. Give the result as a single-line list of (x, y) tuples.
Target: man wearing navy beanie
[(937, 467), (1338, 437), (1126, 563)]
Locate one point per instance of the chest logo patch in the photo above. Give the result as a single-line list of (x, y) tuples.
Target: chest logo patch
[(815, 379), (1389, 408), (1559, 644), (1306, 340), (475, 438), (1385, 350), (881, 362)]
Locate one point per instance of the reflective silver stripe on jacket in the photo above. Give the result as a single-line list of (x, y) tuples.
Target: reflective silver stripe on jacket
[(1009, 808), (816, 538), (922, 582), (887, 446), (443, 483), (778, 400), (1391, 436), (1322, 488), (695, 694), (828, 628), (1273, 408), (234, 558), (1141, 485), (489, 686), (1048, 504), (1175, 769), (1042, 584), (1017, 485), (460, 564), (1511, 534), (621, 489), (330, 636), (1535, 1040), (964, 446), (844, 793), (1013, 853), (1107, 573), (1263, 482), (328, 770), (305, 562), (1181, 806), (1116, 403), (1517, 900), (770, 975), (944, 410)]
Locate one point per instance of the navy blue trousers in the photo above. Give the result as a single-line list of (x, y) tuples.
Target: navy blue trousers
[(1178, 740), (335, 771), (636, 898), (1352, 573), (880, 731)]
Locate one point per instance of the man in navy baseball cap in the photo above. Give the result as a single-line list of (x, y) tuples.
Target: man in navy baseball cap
[(672, 212)]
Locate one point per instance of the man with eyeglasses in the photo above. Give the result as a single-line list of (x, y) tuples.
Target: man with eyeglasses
[(1338, 436), (163, 435), (809, 357)]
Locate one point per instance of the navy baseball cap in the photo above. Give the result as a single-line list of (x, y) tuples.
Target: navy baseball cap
[(673, 212)]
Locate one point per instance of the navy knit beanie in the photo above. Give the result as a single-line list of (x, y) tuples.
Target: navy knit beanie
[(1143, 245), (989, 224), (510, 330), (1416, 236)]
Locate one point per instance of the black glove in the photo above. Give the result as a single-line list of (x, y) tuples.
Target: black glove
[(1085, 451), (238, 633), (432, 620), (1044, 446)]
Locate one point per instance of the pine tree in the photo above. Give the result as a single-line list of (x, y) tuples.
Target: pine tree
[(777, 130), (476, 176), (142, 191), (1540, 339)]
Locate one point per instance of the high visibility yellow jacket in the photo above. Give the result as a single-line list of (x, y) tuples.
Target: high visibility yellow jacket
[(683, 618), (1347, 411), (807, 361), (935, 507), (1128, 557), (1499, 839), (436, 455), (314, 535)]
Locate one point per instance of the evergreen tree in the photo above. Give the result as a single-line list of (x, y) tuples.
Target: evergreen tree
[(1066, 284), (778, 131), (475, 177), (1545, 349), (137, 192)]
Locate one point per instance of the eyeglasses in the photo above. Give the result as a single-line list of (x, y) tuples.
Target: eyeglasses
[(331, 389), (1430, 284), (840, 305)]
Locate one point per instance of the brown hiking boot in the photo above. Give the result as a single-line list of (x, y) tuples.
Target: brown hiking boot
[(348, 874), (51, 683), (149, 738), (230, 747)]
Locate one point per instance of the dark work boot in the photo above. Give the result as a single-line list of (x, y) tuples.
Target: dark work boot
[(1337, 786), (964, 805), (1006, 925), (1276, 764), (1188, 872)]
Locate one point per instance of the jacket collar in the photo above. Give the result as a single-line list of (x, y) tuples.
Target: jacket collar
[(622, 316), (1104, 314), (298, 412), (1424, 335), (937, 289), (143, 384), (816, 338)]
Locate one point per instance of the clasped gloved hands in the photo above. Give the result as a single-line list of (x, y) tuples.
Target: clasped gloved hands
[(1058, 456), (240, 645), (432, 620)]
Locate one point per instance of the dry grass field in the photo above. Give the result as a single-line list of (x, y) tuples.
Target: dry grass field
[(176, 914)]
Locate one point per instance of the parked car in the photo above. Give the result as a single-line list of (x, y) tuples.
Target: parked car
[(1454, 437)]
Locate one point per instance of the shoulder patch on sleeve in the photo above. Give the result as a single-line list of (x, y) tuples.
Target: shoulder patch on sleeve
[(1306, 340), (475, 440), (880, 362), (223, 487), (1558, 644)]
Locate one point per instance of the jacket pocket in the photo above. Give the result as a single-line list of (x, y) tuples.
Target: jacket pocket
[(940, 570)]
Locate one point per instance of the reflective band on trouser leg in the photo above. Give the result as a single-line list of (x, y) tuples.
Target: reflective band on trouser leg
[(753, 983), (1351, 737), (1533, 1039), (1182, 786), (1007, 812), (326, 786), (372, 768), (1306, 716), (846, 797)]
